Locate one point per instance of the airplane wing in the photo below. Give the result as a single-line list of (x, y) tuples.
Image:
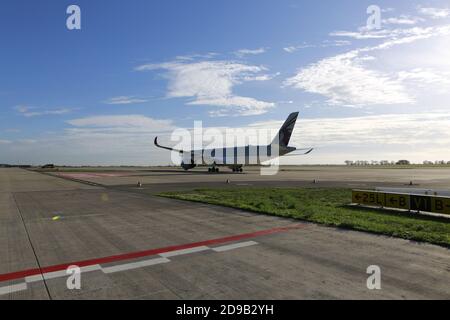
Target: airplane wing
[(303, 152), (167, 148)]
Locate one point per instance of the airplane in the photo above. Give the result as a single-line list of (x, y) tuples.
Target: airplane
[(229, 157)]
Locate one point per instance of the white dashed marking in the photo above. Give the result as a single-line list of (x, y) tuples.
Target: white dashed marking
[(122, 267), (235, 246), (135, 265), (13, 288), (59, 274), (184, 251)]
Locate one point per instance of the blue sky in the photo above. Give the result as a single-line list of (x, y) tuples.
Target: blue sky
[(98, 95)]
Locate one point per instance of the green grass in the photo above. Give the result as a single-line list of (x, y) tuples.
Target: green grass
[(326, 206)]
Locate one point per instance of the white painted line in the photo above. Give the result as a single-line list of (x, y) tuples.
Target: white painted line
[(94, 267), (184, 251), (13, 288), (54, 275), (122, 267), (151, 262), (59, 274), (35, 278), (134, 265), (235, 246)]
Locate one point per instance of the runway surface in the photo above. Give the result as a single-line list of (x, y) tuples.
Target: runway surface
[(132, 244)]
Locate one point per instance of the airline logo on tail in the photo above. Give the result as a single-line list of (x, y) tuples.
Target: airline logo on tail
[(286, 130)]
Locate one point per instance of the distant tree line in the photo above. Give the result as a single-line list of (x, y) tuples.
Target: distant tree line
[(391, 163)]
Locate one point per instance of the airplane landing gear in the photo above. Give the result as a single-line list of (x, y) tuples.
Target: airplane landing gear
[(213, 170)]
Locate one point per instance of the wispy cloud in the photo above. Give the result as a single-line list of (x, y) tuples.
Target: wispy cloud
[(362, 34), (426, 76), (12, 130), (123, 123), (434, 13), (346, 79), (403, 20), (292, 49), (245, 52), (28, 111), (125, 100), (211, 83), (95, 140), (195, 56), (324, 44)]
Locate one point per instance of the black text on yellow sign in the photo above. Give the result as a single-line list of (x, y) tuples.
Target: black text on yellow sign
[(398, 201), (402, 201), (420, 203), (440, 205), (369, 198)]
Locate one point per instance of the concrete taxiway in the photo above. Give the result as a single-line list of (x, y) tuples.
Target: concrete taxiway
[(132, 244)]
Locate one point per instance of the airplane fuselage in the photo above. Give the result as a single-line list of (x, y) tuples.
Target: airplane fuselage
[(235, 156)]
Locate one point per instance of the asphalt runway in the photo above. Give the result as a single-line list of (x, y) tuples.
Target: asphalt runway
[(326, 175), (131, 244)]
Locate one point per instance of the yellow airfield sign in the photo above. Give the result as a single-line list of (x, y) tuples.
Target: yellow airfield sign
[(370, 198), (402, 201), (398, 201), (440, 205)]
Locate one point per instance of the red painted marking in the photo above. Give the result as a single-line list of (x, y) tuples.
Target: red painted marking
[(146, 253)]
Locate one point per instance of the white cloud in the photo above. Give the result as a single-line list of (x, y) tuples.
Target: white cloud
[(97, 140), (27, 141), (335, 43), (427, 80), (123, 123), (245, 52), (361, 34), (397, 34), (5, 142), (292, 49), (405, 36), (12, 130), (347, 79), (426, 76), (324, 44), (211, 83), (247, 106), (344, 80), (403, 20), (434, 13), (195, 56), (125, 100), (262, 77), (387, 10), (36, 112)]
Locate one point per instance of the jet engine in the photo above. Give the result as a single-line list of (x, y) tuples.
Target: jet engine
[(187, 166)]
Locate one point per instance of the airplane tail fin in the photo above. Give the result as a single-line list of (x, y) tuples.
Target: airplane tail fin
[(284, 135)]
